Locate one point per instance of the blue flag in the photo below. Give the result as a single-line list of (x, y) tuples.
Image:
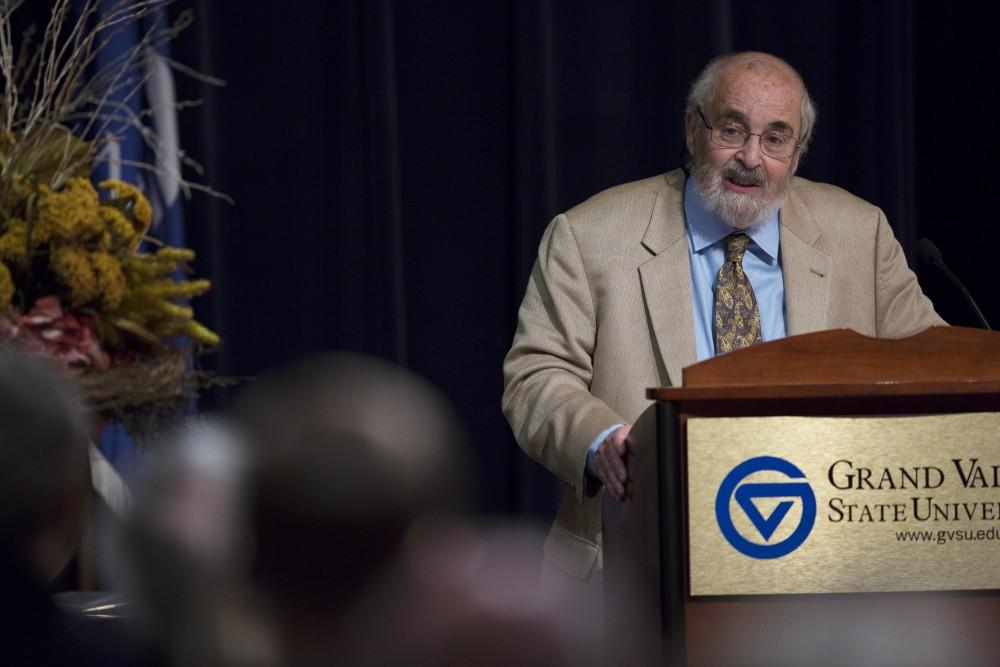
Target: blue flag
[(143, 95)]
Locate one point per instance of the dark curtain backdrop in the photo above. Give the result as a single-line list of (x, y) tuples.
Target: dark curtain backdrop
[(394, 163)]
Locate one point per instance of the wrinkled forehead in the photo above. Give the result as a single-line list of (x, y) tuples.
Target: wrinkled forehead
[(759, 94)]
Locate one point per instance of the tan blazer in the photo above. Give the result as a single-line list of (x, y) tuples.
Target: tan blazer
[(608, 313)]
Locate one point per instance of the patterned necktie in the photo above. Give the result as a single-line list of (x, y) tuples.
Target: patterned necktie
[(737, 320)]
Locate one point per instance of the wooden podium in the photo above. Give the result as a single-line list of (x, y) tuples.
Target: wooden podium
[(942, 371)]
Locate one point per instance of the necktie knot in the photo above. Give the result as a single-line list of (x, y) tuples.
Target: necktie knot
[(736, 247)]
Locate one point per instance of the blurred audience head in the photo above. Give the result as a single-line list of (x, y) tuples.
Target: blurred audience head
[(348, 452), (323, 523), (44, 465), (185, 541), (467, 594)]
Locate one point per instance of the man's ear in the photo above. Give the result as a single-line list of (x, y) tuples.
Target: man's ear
[(793, 166), (691, 123)]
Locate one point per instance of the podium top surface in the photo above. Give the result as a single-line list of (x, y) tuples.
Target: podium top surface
[(839, 362)]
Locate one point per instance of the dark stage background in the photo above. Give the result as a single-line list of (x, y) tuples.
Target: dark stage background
[(394, 163)]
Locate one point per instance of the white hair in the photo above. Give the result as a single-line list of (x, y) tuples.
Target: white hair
[(706, 83)]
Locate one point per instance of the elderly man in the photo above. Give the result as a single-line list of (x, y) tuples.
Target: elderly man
[(646, 278)]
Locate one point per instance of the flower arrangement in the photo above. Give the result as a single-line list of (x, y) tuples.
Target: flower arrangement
[(77, 283)]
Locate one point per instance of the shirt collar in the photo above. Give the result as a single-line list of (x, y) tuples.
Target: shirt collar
[(707, 229)]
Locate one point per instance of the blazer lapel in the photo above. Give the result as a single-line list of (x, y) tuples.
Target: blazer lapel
[(666, 280), (805, 269)]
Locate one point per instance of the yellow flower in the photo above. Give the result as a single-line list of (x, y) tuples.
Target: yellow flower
[(167, 288), (202, 334), (6, 288), (67, 215), (110, 279), (14, 243), (140, 268), (174, 256), (142, 211), (73, 268), (104, 241), (123, 236)]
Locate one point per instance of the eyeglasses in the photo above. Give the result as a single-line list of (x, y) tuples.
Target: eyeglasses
[(776, 144)]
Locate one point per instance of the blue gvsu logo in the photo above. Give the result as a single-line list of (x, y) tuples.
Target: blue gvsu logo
[(746, 493)]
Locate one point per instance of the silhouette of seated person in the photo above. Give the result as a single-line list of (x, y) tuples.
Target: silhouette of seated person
[(44, 499)]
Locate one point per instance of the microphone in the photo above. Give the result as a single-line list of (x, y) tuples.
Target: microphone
[(930, 254)]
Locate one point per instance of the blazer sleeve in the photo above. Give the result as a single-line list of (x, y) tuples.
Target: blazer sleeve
[(548, 371), (901, 308)]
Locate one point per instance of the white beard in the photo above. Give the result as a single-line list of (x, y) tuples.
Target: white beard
[(738, 210)]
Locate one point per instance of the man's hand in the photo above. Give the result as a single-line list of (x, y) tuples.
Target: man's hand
[(612, 462)]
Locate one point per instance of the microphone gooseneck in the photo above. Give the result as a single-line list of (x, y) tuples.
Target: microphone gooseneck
[(930, 254)]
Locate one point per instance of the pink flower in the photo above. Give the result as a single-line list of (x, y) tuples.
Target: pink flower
[(62, 336)]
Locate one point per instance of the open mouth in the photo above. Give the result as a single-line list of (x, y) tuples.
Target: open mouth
[(741, 184)]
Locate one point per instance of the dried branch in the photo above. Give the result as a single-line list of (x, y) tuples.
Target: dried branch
[(50, 89)]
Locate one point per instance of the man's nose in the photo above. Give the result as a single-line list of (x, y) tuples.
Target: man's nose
[(750, 155)]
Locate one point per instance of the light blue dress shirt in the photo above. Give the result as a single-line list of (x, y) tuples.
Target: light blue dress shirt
[(706, 235)]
